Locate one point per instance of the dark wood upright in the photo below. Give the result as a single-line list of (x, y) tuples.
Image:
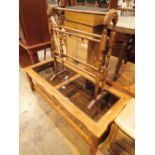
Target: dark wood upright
[(113, 4), (33, 30)]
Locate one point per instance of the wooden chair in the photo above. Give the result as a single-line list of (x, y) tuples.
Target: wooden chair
[(117, 143)]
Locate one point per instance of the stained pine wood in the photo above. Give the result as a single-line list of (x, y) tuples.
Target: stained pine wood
[(90, 130), (117, 143), (84, 50), (87, 19), (91, 125), (73, 97)]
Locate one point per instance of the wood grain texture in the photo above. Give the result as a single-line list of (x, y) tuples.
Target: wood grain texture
[(33, 21), (33, 30), (117, 143), (95, 128)]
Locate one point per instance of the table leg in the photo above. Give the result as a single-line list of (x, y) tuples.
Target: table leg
[(30, 82), (93, 150), (121, 56)]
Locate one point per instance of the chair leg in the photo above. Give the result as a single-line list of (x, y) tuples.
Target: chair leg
[(44, 54), (30, 53)]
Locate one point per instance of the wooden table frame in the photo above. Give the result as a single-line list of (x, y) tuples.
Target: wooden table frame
[(91, 131)]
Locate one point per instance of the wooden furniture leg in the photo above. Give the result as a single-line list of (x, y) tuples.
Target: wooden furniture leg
[(24, 58), (30, 82), (121, 56), (130, 49), (127, 54), (93, 148), (31, 56), (44, 54)]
